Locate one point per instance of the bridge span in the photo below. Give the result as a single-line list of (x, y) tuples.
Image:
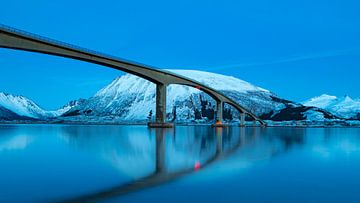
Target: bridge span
[(12, 38)]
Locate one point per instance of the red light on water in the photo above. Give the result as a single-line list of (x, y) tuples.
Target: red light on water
[(198, 87), (197, 165)]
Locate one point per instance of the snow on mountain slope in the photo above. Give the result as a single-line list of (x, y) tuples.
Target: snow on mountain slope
[(19, 107), (321, 101), (344, 107), (65, 108), (218, 82), (7, 115), (132, 98)]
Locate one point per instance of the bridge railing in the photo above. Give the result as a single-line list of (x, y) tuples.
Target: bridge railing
[(67, 45), (46, 39)]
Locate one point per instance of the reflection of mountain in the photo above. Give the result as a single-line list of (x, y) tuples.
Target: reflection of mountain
[(184, 151), (335, 144), (289, 137), (131, 152), (191, 149), (17, 142), (263, 145), (131, 99)]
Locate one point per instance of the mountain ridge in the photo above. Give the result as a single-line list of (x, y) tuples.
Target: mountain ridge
[(129, 98), (344, 107)]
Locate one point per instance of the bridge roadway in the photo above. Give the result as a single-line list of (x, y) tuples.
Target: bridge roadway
[(12, 38)]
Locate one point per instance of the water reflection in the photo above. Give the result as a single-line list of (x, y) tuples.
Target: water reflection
[(10, 142), (131, 152), (166, 154), (336, 142), (100, 162)]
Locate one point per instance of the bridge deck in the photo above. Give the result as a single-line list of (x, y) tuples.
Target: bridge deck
[(18, 39)]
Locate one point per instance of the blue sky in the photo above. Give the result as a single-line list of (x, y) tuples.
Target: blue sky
[(297, 49)]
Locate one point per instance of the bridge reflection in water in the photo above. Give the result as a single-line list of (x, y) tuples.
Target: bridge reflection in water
[(49, 163), (185, 150)]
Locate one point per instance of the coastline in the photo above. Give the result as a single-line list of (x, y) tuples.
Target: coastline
[(273, 124)]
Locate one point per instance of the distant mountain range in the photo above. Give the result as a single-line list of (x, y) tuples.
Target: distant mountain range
[(132, 99), (15, 107), (343, 107)]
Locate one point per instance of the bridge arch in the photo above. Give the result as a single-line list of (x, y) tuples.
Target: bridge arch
[(20, 40)]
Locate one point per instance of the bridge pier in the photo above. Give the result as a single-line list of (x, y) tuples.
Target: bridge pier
[(219, 114), (160, 117), (254, 123), (242, 119)]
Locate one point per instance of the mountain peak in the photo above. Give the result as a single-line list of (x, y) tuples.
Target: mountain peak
[(23, 106), (20, 105), (320, 101), (218, 81), (347, 98), (325, 96), (130, 97), (344, 106)]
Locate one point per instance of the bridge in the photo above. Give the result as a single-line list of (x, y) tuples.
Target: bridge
[(12, 38)]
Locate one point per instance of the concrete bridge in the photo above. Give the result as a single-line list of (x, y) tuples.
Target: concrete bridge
[(12, 38)]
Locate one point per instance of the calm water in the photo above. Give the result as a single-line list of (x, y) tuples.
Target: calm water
[(46, 163)]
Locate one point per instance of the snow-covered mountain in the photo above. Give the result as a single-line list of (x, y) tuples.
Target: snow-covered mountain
[(15, 107), (7, 115), (130, 98), (21, 106), (67, 107), (344, 107)]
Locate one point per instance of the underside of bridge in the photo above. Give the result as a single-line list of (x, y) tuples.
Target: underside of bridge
[(16, 39)]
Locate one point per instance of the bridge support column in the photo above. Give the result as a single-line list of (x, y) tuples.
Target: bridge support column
[(219, 114), (160, 103), (160, 117), (242, 119), (254, 123)]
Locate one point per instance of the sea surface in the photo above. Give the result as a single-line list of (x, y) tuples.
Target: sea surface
[(104, 163)]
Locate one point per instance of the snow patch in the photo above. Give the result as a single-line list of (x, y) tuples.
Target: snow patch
[(344, 107)]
